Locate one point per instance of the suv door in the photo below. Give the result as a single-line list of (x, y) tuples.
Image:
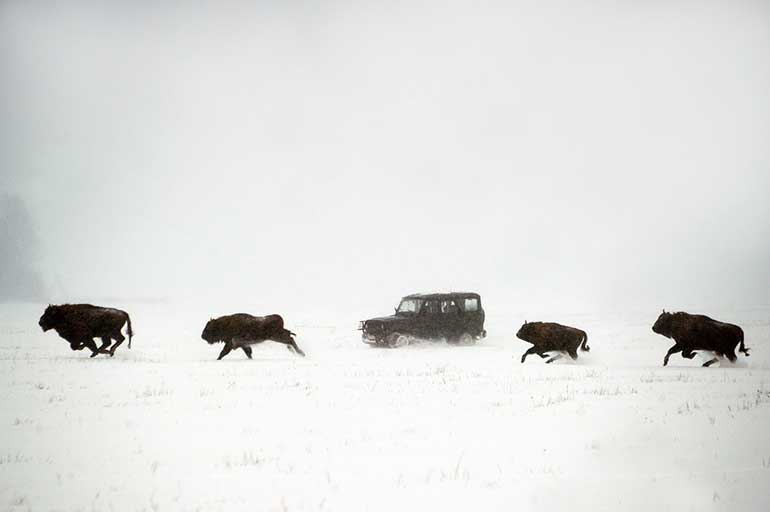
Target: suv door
[(474, 315), (430, 319), (453, 319)]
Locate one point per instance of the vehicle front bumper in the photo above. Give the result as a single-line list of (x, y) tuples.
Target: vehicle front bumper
[(369, 338)]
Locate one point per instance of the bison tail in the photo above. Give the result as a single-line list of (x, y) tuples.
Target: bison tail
[(129, 331), (585, 346), (742, 347)]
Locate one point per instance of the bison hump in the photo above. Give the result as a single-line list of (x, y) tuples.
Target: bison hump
[(273, 321), (266, 322)]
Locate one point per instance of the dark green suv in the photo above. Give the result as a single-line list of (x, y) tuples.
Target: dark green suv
[(455, 317)]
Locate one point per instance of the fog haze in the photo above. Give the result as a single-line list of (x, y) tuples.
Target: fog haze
[(580, 155)]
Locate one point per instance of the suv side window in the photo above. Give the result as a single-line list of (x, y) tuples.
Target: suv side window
[(449, 307), (430, 307), (471, 304)]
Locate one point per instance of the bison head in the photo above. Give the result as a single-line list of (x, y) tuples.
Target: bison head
[(663, 325), (50, 319), (527, 331), (211, 332)]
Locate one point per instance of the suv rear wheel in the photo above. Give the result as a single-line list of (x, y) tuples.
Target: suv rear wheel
[(396, 339)]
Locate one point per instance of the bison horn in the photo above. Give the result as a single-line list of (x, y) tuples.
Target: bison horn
[(525, 322)]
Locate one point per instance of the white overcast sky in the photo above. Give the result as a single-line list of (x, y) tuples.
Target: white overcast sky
[(585, 155)]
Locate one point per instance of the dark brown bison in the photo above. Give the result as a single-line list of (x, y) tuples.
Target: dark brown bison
[(552, 337), (79, 324), (699, 332), (242, 331)]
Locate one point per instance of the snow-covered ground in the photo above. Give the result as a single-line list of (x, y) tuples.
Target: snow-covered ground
[(165, 426)]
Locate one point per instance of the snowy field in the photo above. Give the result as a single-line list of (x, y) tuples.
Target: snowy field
[(165, 426)]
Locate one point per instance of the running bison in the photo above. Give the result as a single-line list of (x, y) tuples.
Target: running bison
[(79, 324), (242, 331), (699, 332), (552, 337)]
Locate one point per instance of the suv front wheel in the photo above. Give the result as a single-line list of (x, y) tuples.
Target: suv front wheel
[(396, 339)]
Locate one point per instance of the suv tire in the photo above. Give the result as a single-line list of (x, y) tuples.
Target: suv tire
[(396, 340), (465, 339)]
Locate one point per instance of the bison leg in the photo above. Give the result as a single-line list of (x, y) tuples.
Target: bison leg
[(673, 350), (91, 346), (554, 358), (573, 354), (247, 349), (105, 344), (293, 346), (710, 362), (530, 351), (226, 350), (288, 340), (120, 339), (688, 353)]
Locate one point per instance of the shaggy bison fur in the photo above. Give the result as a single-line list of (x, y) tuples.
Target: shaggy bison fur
[(552, 337), (79, 324), (242, 330), (699, 332)]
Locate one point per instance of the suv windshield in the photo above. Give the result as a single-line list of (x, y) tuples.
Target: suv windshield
[(408, 306)]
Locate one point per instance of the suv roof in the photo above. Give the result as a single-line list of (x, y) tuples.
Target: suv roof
[(442, 295)]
